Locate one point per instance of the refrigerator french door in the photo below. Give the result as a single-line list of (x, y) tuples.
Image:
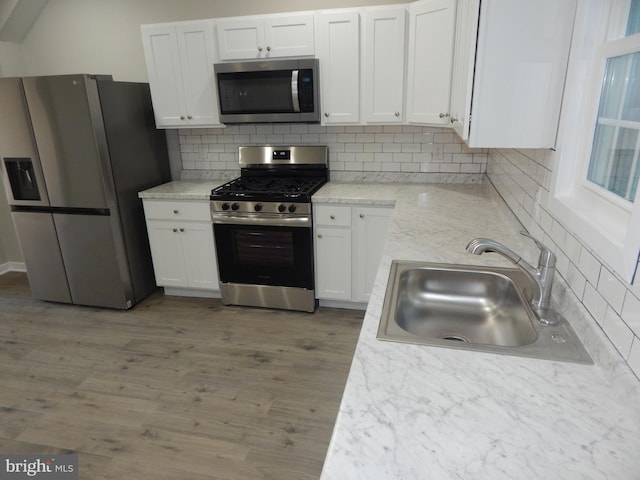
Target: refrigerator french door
[(72, 184)]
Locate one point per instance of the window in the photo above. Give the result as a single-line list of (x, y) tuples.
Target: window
[(613, 163), (598, 157)]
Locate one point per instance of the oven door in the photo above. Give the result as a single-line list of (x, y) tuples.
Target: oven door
[(265, 255)]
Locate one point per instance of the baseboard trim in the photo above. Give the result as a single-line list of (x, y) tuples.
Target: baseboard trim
[(342, 304), (191, 292), (12, 267)]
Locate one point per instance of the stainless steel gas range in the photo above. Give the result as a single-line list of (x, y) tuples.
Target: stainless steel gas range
[(263, 227)]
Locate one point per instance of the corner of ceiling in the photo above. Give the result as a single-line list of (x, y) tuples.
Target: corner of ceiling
[(17, 17)]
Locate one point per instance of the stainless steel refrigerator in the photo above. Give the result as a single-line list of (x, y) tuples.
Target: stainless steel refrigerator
[(75, 151)]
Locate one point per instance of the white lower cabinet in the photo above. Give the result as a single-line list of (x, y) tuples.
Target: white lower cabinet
[(369, 234), (349, 240), (182, 245)]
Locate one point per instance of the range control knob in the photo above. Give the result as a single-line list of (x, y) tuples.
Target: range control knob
[(282, 207), (235, 206), (292, 208), (257, 207), (225, 206)]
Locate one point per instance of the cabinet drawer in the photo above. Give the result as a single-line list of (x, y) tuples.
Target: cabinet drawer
[(177, 209), (332, 215)]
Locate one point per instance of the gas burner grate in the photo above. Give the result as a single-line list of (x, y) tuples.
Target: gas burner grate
[(264, 188)]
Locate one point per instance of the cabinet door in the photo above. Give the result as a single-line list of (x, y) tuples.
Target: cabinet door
[(370, 226), (520, 70), (383, 64), (165, 241), (195, 44), (200, 255), (339, 59), (165, 73), (289, 36), (430, 61), (333, 263), (240, 38), (463, 66)]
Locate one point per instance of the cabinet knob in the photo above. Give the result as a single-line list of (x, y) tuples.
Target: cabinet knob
[(259, 49), (268, 48), (444, 115), (332, 217), (189, 117), (326, 114), (181, 117), (397, 114), (182, 229), (362, 215), (319, 235), (174, 230), (176, 211)]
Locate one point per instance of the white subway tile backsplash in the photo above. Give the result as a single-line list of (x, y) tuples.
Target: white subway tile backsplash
[(282, 128), (576, 280), (392, 147), (589, 266), (631, 312), (470, 168), (247, 129), (353, 147), (634, 357), (522, 178), (611, 289), (594, 302), (372, 147), (618, 332)]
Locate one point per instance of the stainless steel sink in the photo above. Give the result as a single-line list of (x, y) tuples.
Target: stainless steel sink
[(475, 308)]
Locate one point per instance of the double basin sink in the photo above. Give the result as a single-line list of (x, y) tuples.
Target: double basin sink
[(474, 308)]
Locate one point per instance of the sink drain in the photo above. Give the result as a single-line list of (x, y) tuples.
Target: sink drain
[(455, 338)]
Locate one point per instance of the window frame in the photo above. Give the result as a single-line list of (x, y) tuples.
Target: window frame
[(608, 224)]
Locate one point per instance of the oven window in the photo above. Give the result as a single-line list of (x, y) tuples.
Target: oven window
[(255, 248), (265, 255)]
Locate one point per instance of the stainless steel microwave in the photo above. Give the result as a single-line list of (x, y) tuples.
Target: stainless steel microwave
[(268, 91)]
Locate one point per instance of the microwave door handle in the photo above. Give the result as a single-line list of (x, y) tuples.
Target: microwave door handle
[(294, 91)]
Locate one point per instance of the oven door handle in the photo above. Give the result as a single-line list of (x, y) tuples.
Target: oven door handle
[(302, 221), (294, 91)]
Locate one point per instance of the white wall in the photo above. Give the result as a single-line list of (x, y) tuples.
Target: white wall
[(11, 59), (103, 36)]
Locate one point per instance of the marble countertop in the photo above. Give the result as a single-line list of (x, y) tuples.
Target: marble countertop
[(182, 190), (412, 412), (421, 412)]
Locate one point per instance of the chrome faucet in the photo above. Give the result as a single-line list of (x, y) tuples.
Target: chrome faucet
[(542, 276)]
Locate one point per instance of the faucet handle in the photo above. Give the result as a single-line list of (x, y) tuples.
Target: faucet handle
[(547, 257)]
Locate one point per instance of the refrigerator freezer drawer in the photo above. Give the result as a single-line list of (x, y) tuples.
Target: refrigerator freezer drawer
[(42, 256)]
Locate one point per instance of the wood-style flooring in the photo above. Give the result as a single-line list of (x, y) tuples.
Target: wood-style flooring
[(176, 388)]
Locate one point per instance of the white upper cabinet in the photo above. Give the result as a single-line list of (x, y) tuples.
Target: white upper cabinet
[(463, 63), (430, 61), (519, 57), (339, 55), (383, 52), (180, 59), (267, 36)]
